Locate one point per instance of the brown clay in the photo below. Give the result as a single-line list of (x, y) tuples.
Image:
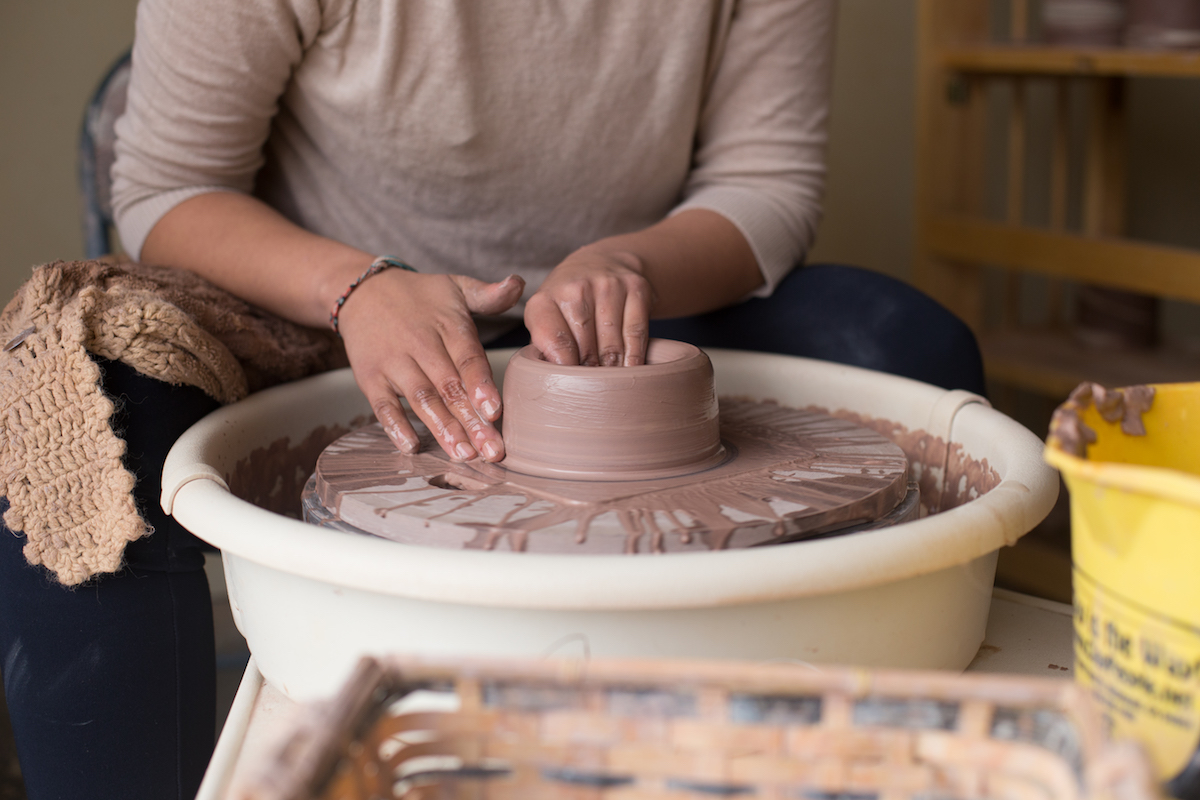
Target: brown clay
[(946, 474), (612, 423), (273, 477), (1127, 405), (789, 472), (782, 474)]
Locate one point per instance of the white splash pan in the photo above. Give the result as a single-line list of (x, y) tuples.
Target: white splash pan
[(311, 600)]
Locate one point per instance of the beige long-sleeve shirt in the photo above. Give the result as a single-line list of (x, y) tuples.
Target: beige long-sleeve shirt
[(483, 138)]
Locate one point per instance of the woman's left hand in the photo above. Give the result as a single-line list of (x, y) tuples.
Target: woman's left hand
[(593, 309)]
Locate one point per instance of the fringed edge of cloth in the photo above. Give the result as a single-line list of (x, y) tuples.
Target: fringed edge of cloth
[(61, 464)]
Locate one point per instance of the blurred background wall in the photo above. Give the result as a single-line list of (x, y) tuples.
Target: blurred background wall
[(52, 55), (869, 198)]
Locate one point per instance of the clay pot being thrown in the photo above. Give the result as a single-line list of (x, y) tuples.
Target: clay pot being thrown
[(656, 420)]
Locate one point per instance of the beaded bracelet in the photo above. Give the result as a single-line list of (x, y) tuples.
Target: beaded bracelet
[(377, 266)]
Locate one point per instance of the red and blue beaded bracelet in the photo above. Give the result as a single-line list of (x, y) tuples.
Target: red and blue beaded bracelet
[(377, 266)]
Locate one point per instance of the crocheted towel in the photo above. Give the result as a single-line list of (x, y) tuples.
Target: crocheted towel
[(60, 462)]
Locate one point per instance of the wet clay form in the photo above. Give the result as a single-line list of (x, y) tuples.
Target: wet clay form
[(586, 423), (621, 460)]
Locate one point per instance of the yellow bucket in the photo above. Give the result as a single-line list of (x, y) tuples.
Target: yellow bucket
[(1131, 460)]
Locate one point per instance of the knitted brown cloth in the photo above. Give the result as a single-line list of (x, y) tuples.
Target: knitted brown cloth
[(60, 462)]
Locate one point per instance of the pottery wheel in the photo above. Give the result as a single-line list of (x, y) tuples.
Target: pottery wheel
[(788, 474)]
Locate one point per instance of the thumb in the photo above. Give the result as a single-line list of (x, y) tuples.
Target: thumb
[(490, 298)]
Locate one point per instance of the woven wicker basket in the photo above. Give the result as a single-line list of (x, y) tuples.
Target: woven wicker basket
[(631, 730)]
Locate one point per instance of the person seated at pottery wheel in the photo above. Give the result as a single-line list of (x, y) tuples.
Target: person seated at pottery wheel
[(430, 179)]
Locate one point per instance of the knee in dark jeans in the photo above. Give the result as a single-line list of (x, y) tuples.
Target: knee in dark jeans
[(849, 316), (111, 685)]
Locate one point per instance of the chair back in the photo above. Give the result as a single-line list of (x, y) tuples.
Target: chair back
[(96, 156)]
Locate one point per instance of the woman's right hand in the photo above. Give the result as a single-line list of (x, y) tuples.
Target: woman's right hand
[(411, 335), (407, 334)]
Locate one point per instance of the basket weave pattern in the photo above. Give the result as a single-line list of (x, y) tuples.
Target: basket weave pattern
[(634, 730)]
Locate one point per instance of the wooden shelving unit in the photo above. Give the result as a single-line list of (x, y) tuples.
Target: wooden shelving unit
[(958, 60), (1059, 61)]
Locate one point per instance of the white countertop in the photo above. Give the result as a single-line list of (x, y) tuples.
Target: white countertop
[(1025, 636)]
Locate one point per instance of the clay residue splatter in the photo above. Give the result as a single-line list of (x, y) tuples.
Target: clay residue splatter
[(273, 477), (1068, 430), (947, 475), (790, 471)]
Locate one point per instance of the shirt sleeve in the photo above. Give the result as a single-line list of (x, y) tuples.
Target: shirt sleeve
[(760, 146), (206, 82)]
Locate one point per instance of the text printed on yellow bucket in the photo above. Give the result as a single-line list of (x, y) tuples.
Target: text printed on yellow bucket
[(1143, 667)]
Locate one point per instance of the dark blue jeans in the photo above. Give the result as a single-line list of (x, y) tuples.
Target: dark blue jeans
[(110, 685), (841, 314), (849, 316)]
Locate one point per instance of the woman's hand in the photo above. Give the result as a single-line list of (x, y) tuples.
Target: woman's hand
[(593, 309), (407, 334), (411, 335)]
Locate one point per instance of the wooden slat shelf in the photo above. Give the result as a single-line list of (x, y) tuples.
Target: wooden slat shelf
[(1067, 61), (1087, 137), (1120, 263), (1053, 363)]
